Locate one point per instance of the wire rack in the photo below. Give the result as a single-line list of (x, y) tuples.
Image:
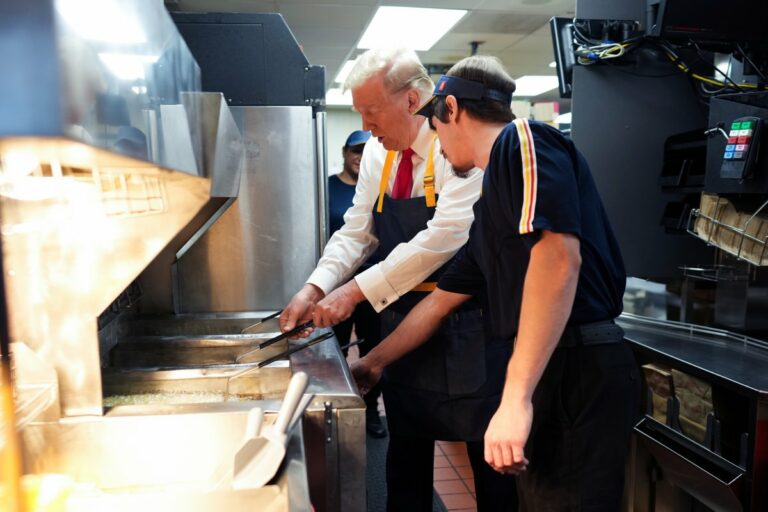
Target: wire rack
[(745, 245)]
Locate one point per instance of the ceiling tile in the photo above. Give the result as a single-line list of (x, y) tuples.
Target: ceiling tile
[(490, 42), (499, 22), (524, 7), (312, 15), (443, 4)]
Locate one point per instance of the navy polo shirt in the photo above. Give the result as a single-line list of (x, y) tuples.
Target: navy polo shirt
[(339, 200), (547, 187)]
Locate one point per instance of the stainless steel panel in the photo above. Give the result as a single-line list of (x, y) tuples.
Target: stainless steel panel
[(186, 352), (105, 73), (78, 225), (264, 247), (321, 148)]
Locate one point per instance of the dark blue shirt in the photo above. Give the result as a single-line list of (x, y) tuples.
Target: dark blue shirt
[(554, 192), (339, 200)]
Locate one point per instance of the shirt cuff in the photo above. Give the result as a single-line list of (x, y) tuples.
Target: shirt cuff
[(376, 289), (323, 279)]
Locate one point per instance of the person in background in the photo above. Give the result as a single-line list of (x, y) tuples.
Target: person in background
[(341, 190), (414, 209), (542, 251)]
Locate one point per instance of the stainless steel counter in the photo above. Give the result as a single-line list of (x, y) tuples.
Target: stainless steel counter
[(334, 424), (163, 458), (722, 357)]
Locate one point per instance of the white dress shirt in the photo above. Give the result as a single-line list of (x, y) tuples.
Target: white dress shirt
[(409, 263)]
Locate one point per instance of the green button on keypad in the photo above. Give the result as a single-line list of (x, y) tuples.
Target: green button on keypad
[(746, 125), (736, 126)]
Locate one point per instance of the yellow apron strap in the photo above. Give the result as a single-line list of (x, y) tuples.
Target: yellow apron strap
[(429, 176), (425, 287), (385, 178)]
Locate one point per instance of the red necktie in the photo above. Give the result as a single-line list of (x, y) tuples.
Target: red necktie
[(404, 176)]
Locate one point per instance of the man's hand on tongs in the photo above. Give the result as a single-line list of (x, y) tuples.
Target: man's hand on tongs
[(338, 305), (300, 309)]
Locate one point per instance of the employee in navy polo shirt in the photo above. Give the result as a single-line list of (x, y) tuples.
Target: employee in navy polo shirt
[(542, 251)]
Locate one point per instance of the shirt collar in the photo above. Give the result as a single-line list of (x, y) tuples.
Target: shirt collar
[(423, 140)]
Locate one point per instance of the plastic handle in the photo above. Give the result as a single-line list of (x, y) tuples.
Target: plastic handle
[(253, 425), (296, 389)]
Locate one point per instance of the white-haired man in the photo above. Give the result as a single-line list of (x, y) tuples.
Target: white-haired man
[(411, 207)]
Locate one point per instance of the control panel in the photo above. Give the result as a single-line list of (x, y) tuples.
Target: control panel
[(741, 150)]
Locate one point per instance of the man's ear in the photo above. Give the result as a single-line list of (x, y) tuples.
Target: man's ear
[(414, 100), (452, 107)]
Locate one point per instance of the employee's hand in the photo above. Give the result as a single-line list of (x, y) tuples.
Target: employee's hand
[(506, 436), (300, 308), (366, 374), (338, 305)]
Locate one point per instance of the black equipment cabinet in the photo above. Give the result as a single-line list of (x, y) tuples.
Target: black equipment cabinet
[(253, 59)]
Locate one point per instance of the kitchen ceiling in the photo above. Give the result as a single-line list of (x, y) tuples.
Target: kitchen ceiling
[(516, 31)]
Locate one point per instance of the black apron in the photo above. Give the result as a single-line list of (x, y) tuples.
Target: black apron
[(449, 387)]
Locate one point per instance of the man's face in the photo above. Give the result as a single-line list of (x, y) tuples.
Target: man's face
[(386, 114), (453, 148), (352, 155)]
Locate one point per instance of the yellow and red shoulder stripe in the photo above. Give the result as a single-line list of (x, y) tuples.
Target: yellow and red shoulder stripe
[(529, 174)]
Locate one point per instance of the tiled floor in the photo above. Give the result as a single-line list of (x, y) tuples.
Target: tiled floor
[(453, 477)]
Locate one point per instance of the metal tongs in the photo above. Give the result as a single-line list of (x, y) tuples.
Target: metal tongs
[(281, 355), (249, 329), (287, 334)]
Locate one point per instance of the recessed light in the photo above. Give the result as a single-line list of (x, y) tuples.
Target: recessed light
[(417, 28), (553, 64)]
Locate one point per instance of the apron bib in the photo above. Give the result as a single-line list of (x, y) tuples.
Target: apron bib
[(421, 387)]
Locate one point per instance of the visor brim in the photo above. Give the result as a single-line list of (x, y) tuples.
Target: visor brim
[(427, 108)]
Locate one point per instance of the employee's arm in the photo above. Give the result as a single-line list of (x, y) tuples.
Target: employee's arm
[(417, 327), (548, 294)]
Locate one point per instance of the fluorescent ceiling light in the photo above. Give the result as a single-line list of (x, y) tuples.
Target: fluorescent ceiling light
[(335, 97), (344, 71), (553, 64), (104, 20), (563, 118), (533, 85), (416, 28), (126, 66)]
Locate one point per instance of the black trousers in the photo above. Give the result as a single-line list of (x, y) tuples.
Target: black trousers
[(367, 326), (583, 411), (410, 463)]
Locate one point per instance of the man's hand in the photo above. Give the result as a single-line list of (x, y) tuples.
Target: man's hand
[(338, 305), (366, 374), (300, 308), (506, 436)]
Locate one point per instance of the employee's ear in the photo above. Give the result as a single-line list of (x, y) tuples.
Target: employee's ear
[(453, 107)]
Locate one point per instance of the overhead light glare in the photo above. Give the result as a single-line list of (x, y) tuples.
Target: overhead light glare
[(104, 20), (418, 28), (553, 64), (126, 66), (533, 85)]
